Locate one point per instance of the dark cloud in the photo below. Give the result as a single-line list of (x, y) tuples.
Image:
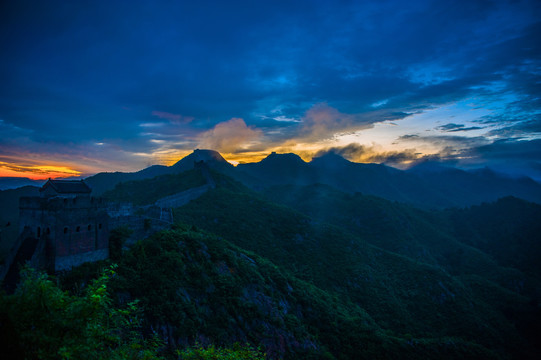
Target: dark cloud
[(517, 157), (522, 157), (219, 60), (447, 141), (408, 137), (369, 154), (510, 150), (89, 72), (173, 118), (520, 119), (451, 127)]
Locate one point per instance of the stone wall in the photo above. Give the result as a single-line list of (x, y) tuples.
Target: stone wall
[(120, 209), (142, 226), (74, 226), (182, 198), (62, 263), (10, 258)]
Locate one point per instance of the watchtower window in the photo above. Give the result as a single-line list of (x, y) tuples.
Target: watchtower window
[(39, 231), (89, 227), (74, 201), (78, 229), (65, 201), (99, 226), (48, 232), (65, 230)]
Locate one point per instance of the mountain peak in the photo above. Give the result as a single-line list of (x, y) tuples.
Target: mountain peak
[(329, 158), (209, 156), (206, 155), (430, 166), (288, 158)]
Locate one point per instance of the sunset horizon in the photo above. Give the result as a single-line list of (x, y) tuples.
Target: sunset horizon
[(91, 87)]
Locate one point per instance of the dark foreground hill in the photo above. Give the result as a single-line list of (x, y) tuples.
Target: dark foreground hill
[(422, 283), (489, 239), (329, 274), (197, 287)]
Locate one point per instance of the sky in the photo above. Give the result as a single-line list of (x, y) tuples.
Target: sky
[(91, 86)]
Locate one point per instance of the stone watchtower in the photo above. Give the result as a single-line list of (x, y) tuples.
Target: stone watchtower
[(70, 226)]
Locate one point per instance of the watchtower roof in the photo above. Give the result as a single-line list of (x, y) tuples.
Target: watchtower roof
[(67, 186)]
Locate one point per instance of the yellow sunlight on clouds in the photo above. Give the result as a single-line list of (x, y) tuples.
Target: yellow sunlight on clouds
[(36, 172)]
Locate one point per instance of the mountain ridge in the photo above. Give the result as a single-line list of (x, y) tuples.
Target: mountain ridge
[(105, 181), (426, 186)]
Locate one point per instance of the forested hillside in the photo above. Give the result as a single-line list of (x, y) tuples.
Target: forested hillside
[(312, 272)]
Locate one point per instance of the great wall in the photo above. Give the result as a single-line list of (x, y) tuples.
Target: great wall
[(65, 226)]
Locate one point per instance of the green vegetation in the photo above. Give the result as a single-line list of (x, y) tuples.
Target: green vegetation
[(297, 272), (117, 239), (423, 262), (507, 229), (40, 321), (212, 353), (195, 287), (450, 239)]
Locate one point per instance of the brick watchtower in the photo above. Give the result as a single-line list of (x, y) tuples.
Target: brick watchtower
[(71, 226)]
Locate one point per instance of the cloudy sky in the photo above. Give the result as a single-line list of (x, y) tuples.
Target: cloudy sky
[(89, 86)]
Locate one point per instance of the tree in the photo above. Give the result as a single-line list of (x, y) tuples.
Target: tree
[(49, 323), (236, 352), (117, 238)]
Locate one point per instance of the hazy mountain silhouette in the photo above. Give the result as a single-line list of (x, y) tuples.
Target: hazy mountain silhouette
[(274, 169), (476, 186), (374, 179), (106, 181), (426, 185), (213, 158), (16, 182)]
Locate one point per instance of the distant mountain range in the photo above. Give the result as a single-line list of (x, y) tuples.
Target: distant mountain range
[(427, 185), (7, 183)]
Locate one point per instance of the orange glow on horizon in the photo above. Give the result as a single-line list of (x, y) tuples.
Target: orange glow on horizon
[(235, 159), (36, 172), (171, 158), (305, 151)]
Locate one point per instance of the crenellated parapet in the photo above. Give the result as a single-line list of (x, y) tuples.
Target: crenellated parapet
[(75, 227)]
